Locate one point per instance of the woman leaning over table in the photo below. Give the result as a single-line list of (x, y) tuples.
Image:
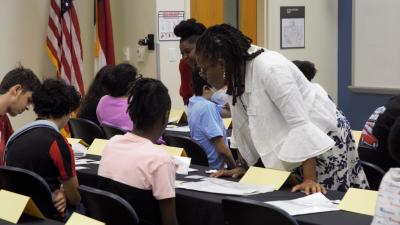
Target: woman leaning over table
[(278, 115)]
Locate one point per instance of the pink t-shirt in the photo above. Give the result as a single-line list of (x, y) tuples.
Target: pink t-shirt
[(113, 111), (137, 162)]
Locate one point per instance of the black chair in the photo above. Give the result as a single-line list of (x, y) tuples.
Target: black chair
[(374, 174), (143, 201), (192, 148), (107, 207), (28, 183), (241, 211), (110, 131), (85, 130)]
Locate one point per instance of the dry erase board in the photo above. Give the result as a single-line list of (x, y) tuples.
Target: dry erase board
[(376, 46)]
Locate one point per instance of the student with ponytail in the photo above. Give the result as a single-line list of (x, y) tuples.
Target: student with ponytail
[(133, 159)]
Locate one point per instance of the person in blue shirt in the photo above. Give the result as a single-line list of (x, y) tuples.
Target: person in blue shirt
[(206, 126)]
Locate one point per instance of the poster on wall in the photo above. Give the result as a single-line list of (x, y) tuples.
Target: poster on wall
[(167, 20), (292, 27)]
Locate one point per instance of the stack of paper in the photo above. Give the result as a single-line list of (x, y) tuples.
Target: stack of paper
[(178, 128), (220, 186), (314, 203)]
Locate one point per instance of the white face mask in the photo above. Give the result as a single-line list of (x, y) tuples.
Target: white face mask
[(220, 97)]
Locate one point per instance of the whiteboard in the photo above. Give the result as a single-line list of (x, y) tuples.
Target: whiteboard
[(376, 45)]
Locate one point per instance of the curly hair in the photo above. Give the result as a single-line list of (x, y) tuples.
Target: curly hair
[(147, 102), (307, 68), (20, 75), (189, 30), (54, 98), (119, 80), (230, 44)]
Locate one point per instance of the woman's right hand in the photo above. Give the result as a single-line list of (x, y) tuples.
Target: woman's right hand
[(234, 173)]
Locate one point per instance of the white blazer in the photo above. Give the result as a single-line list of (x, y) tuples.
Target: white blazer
[(281, 117)]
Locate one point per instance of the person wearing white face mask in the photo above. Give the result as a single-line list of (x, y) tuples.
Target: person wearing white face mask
[(206, 126)]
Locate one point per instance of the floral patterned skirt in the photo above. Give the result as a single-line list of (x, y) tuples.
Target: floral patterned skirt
[(339, 168)]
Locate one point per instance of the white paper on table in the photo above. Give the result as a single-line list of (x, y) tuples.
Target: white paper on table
[(182, 164), (313, 203), (192, 170), (220, 186), (81, 168), (178, 128), (83, 161), (94, 162), (195, 177)]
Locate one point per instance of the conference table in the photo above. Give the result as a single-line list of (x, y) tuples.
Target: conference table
[(201, 208)]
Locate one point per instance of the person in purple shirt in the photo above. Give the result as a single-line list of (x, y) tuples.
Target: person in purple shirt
[(112, 108)]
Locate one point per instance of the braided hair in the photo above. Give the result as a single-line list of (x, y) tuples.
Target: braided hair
[(189, 30), (227, 43), (147, 102)]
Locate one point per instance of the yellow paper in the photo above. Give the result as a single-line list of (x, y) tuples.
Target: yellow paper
[(359, 201), (263, 176), (177, 116), (356, 135), (227, 123), (174, 151), (72, 141), (78, 219), (12, 205), (97, 146)]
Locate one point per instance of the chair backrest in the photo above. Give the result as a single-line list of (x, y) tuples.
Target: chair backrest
[(110, 131), (192, 148), (28, 183), (241, 211), (143, 201), (85, 130), (107, 207), (374, 174)]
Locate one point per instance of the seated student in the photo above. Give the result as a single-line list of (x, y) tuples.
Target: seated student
[(112, 108), (206, 126), (15, 96), (387, 204), (39, 146), (97, 89), (133, 159), (373, 146)]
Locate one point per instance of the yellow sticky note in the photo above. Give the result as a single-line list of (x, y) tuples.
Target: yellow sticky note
[(177, 116), (12, 205), (359, 201), (78, 219), (356, 135), (76, 141), (97, 146), (263, 176), (227, 123), (174, 151)]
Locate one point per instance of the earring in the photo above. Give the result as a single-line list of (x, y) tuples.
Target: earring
[(224, 75)]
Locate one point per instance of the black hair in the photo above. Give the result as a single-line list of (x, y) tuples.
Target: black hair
[(119, 80), (198, 83), (54, 98), (230, 44), (307, 68), (147, 102), (20, 75), (96, 90), (189, 30)]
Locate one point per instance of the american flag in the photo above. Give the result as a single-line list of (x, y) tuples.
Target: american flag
[(64, 44), (104, 43)]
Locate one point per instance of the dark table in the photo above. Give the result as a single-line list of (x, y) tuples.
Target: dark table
[(200, 208)]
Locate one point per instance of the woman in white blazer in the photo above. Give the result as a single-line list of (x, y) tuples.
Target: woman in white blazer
[(278, 115)]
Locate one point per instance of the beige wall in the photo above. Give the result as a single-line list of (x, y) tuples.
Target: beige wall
[(320, 36), (133, 20), (23, 27)]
